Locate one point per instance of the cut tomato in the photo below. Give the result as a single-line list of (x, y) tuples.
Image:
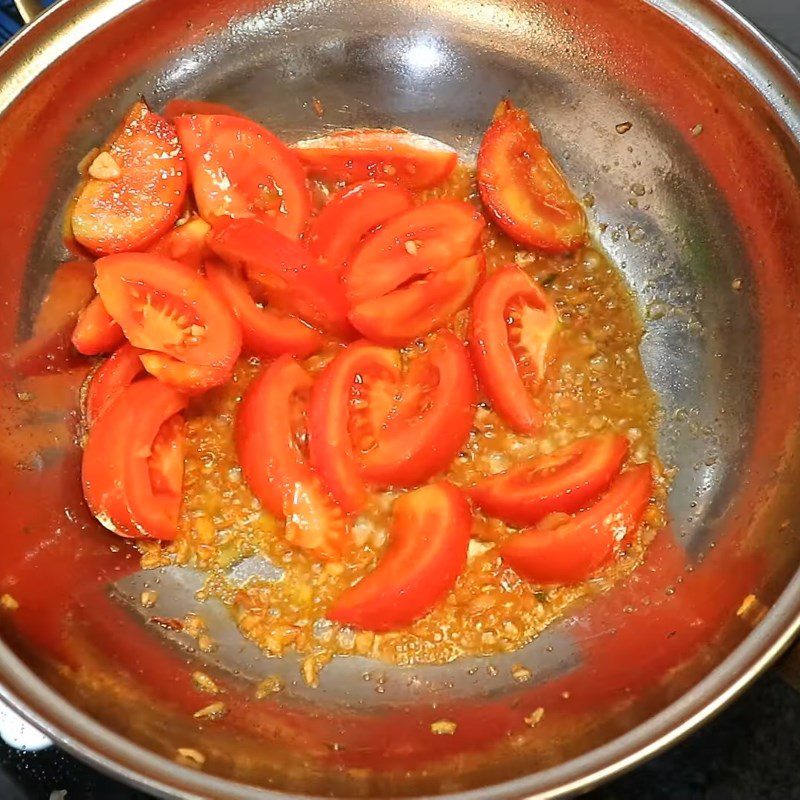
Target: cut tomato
[(563, 482), (430, 422), (427, 552), (165, 307), (264, 332), (290, 278), (565, 550), (96, 331), (268, 433), (185, 243), (512, 325), (133, 462), (178, 107), (523, 188), (110, 380), (240, 169), (356, 155), (333, 396), (139, 189), (336, 232)]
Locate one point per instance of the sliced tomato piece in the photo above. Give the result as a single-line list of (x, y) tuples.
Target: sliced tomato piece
[(523, 188), (429, 424), (178, 107), (563, 482), (264, 332), (289, 276), (133, 462), (185, 243), (330, 442), (269, 428), (355, 155), (240, 169), (96, 331), (563, 549), (110, 380), (167, 309), (140, 188), (427, 551), (338, 229), (512, 325)]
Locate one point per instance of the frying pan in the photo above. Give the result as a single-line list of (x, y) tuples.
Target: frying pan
[(681, 127)]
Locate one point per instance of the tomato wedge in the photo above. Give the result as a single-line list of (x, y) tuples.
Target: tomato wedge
[(336, 232), (329, 435), (178, 107), (185, 243), (355, 155), (424, 430), (167, 309), (110, 380), (96, 331), (240, 169), (268, 431), (264, 333), (133, 462), (291, 279), (523, 188), (139, 188), (567, 550), (512, 325), (565, 481), (427, 552)]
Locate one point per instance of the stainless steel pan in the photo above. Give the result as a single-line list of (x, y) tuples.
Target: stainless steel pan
[(683, 125)]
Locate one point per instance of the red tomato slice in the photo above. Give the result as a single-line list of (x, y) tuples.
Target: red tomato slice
[(523, 188), (425, 430), (264, 333), (335, 233), (512, 324), (166, 307), (96, 331), (268, 432), (178, 107), (356, 155), (289, 276), (427, 552), (185, 243), (329, 436), (569, 549), (239, 169), (563, 482), (110, 379), (129, 446), (142, 189)]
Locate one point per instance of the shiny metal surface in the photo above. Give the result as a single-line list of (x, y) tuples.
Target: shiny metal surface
[(28, 9), (698, 202)]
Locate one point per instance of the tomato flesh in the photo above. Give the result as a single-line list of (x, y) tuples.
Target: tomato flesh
[(356, 155), (110, 379), (144, 192), (563, 482), (427, 551), (512, 325), (185, 243), (96, 331), (240, 169), (567, 550), (523, 188), (178, 107)]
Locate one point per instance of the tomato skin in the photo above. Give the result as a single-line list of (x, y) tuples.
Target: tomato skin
[(185, 243), (118, 465), (96, 331), (427, 551), (264, 333), (231, 161), (570, 551), (563, 482), (415, 161), (411, 447), (275, 468), (492, 353), (110, 380), (330, 442), (290, 277), (179, 106), (336, 232), (130, 211), (523, 188)]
